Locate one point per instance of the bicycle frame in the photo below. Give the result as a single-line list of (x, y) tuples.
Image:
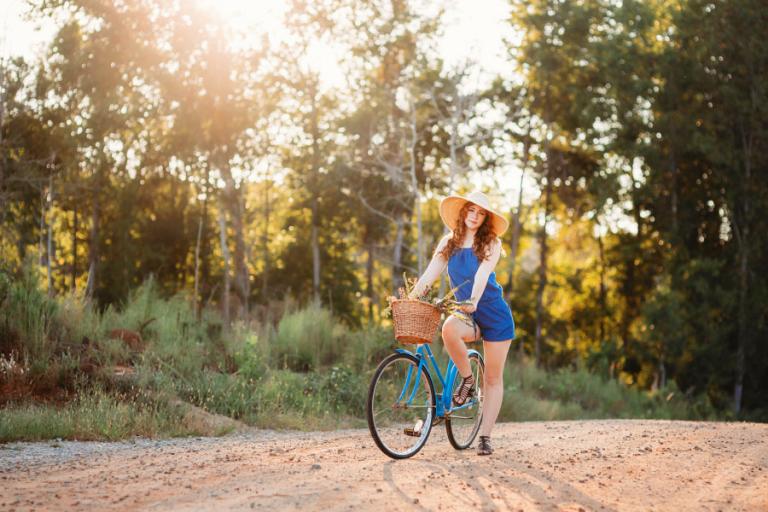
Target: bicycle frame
[(444, 400)]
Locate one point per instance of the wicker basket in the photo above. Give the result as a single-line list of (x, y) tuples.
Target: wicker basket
[(415, 321)]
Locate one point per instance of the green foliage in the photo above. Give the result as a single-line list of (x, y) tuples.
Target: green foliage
[(252, 357), (534, 394), (78, 321), (27, 318), (339, 390), (216, 392), (93, 415), (639, 125), (307, 339), (364, 348), (309, 372), (172, 334)]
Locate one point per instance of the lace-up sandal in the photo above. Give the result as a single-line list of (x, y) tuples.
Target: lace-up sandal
[(484, 446), (466, 390)]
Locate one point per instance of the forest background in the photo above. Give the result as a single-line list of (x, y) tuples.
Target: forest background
[(167, 172)]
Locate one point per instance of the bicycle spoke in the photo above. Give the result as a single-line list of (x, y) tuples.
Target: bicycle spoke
[(400, 406), (404, 407), (463, 422)]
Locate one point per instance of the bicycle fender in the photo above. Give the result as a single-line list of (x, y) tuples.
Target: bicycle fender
[(407, 352)]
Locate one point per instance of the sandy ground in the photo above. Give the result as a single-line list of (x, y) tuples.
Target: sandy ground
[(580, 465)]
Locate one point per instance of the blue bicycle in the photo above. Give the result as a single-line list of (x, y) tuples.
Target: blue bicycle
[(403, 407)]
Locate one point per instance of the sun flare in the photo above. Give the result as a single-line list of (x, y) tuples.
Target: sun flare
[(253, 19)]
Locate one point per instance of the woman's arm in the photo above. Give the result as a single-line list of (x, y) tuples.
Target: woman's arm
[(434, 269), (481, 277)]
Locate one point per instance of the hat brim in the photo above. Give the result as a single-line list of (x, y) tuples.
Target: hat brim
[(451, 206)]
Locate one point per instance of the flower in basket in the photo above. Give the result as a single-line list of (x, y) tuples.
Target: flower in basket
[(446, 304)]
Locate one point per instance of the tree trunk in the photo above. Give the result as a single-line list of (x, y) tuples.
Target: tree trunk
[(514, 244), (397, 256), (744, 270), (416, 194), (93, 250), (445, 285), (74, 247), (542, 266), (314, 185), (265, 243), (602, 294), (233, 203), (738, 388), (205, 242), (517, 224), (3, 93), (517, 227), (41, 229), (182, 205), (631, 297), (242, 279), (369, 278), (196, 296), (315, 252), (49, 245), (225, 256)]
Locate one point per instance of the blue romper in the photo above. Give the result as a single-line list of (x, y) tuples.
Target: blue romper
[(492, 315)]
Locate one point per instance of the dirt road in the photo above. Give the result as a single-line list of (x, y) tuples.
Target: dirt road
[(580, 465)]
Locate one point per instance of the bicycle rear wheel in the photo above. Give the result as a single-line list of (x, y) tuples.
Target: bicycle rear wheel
[(462, 424), (400, 406)]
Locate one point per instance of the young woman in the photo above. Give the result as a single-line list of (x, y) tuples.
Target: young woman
[(471, 252)]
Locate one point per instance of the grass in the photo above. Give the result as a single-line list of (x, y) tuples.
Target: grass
[(535, 394), (306, 371), (306, 340), (93, 415)]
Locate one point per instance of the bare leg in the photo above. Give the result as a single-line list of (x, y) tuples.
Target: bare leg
[(495, 353), (455, 333)]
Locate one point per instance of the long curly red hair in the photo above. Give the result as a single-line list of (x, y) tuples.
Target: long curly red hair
[(484, 236)]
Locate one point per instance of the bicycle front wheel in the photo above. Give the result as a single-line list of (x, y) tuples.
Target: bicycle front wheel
[(463, 423), (401, 406)]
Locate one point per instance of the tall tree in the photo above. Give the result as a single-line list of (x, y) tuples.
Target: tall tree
[(388, 40)]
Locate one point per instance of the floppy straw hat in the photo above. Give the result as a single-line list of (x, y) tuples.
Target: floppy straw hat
[(451, 206)]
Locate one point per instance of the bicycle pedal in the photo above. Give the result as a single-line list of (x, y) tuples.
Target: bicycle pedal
[(414, 431)]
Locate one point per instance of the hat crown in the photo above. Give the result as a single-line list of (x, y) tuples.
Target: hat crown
[(479, 199)]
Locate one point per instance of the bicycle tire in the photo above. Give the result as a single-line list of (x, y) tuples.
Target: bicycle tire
[(386, 436), (462, 441)]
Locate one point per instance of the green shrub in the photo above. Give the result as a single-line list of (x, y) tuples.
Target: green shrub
[(172, 334), (527, 407), (307, 339), (219, 393), (339, 389), (535, 394), (78, 322), (93, 415), (27, 320), (251, 353), (308, 401), (310, 372), (364, 349)]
